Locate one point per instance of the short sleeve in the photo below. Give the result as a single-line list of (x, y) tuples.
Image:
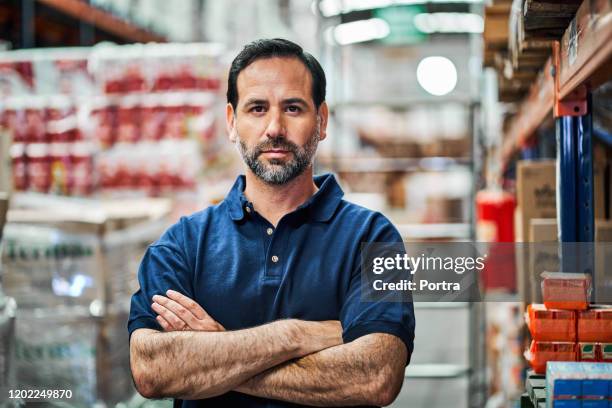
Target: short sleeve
[(163, 267), (360, 317)]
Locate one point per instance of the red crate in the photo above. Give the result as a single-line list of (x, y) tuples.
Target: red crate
[(551, 324), (541, 352), (595, 325)]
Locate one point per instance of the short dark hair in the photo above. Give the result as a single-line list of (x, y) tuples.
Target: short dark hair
[(269, 48)]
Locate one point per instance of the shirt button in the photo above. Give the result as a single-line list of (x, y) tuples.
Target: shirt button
[(274, 258), (248, 209), (270, 231)]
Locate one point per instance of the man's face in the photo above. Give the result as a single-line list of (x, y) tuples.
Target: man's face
[(276, 124)]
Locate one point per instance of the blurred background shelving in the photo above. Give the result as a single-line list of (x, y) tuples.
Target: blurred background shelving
[(460, 120)]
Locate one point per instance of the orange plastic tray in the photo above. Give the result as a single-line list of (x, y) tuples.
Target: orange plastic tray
[(542, 352), (551, 324), (595, 325)]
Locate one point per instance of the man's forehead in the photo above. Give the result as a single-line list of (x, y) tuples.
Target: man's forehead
[(275, 73)]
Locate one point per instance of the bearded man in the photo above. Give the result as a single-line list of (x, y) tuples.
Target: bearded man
[(256, 302)]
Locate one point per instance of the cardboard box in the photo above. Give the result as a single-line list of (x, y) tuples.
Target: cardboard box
[(536, 191), (543, 253), (536, 198), (496, 26)]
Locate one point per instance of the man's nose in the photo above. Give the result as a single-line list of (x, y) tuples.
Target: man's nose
[(276, 126)]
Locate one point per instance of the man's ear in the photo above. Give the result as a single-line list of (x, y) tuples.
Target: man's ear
[(324, 115), (230, 122)]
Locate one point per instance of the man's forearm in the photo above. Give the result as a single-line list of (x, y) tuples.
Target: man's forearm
[(193, 365), (367, 371)]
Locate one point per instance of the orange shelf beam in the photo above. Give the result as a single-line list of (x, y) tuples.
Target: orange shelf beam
[(586, 48), (103, 20)]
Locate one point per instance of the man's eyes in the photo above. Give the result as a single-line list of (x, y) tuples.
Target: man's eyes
[(293, 109), (289, 108)]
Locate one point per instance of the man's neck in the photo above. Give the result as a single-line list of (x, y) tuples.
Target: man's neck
[(273, 202)]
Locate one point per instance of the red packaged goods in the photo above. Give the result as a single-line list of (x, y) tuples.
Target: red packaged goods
[(61, 118), (81, 177), (35, 125), (176, 124), (128, 125), (153, 122), (126, 78), (551, 324), (570, 291), (541, 352), (105, 124), (14, 121), (39, 167), (595, 325), (19, 166)]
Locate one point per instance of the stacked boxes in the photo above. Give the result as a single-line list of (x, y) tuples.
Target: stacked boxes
[(72, 280), (536, 198), (568, 335), (578, 385)]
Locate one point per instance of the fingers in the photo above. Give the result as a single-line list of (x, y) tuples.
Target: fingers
[(182, 313), (179, 310), (164, 324), (169, 317), (188, 304)]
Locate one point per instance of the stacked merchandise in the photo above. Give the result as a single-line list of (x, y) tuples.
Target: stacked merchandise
[(578, 385), (41, 93), (155, 119), (72, 280), (566, 327), (61, 323), (137, 118)]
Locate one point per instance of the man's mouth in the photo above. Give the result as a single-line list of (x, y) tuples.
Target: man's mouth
[(275, 153)]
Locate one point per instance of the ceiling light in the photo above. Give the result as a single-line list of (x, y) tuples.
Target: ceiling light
[(437, 75), (331, 8), (358, 31), (449, 23)]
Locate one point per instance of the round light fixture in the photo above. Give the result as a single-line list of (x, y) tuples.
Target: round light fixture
[(437, 75)]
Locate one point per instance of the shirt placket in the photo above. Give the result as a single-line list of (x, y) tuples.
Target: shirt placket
[(275, 259), (273, 243)]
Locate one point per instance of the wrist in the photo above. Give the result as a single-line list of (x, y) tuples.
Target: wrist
[(316, 336)]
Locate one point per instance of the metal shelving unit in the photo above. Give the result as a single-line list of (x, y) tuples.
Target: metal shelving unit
[(103, 20), (580, 62), (48, 23), (458, 368)]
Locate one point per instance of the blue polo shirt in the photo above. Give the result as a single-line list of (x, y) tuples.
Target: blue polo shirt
[(244, 272)]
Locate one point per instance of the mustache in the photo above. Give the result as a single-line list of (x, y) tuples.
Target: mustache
[(277, 143)]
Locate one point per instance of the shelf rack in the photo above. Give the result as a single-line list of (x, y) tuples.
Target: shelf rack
[(580, 62), (102, 20)]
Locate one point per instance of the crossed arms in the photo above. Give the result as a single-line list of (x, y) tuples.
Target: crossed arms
[(292, 360)]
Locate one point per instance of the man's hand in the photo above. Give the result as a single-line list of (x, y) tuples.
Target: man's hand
[(177, 312)]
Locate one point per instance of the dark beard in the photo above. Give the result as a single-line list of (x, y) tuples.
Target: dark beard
[(279, 172)]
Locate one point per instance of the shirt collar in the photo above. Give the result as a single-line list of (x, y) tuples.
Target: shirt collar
[(320, 207)]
